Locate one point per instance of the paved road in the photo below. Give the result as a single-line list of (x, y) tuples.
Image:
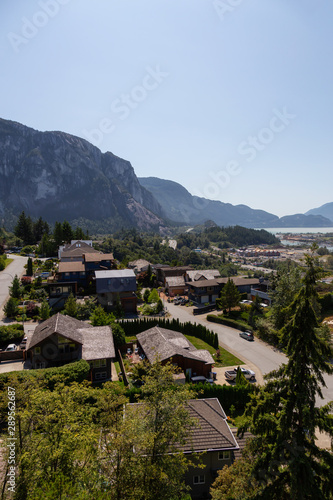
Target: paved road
[(6, 277), (258, 354)]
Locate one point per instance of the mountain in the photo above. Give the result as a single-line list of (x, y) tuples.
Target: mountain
[(301, 220), (59, 176), (179, 205), (325, 210)]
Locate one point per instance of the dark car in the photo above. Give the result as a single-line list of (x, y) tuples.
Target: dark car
[(246, 335)]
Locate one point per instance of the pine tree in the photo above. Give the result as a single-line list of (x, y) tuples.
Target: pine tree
[(29, 267), (71, 306), (23, 229), (45, 310), (284, 416), (15, 290), (58, 233), (229, 296), (67, 231)]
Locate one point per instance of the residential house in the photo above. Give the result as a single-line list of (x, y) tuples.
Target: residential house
[(170, 346), (204, 274), (175, 285), (203, 291), (209, 442), (212, 437), (117, 283), (139, 266), (74, 251), (78, 263), (61, 339), (164, 271)]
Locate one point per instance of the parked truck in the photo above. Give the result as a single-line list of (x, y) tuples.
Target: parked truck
[(232, 374)]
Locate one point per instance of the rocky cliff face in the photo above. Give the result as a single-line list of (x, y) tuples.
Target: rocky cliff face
[(59, 176)]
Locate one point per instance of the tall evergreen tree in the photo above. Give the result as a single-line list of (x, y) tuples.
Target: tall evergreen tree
[(67, 231), (40, 227), (58, 233), (29, 267), (15, 289), (229, 296), (284, 416), (24, 229)]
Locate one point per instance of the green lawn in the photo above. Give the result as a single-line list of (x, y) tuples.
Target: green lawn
[(226, 358), (7, 262)]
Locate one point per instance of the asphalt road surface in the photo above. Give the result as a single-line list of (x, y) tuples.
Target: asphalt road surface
[(260, 355), (7, 275)]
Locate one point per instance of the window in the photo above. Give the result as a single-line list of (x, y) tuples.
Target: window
[(37, 350), (40, 365), (97, 363), (100, 375), (224, 455), (199, 480), (103, 362), (66, 348)]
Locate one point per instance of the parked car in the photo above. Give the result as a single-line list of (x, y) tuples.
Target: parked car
[(176, 301), (232, 374), (246, 335), (11, 347), (201, 379), (129, 350), (23, 344)]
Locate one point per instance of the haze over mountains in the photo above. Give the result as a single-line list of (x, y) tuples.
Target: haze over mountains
[(60, 176)]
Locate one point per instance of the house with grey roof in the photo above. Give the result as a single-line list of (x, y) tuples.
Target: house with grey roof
[(117, 283), (211, 436), (175, 285), (61, 339), (204, 274), (171, 346), (209, 443)]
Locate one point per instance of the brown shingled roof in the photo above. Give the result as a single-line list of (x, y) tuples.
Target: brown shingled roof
[(163, 344), (59, 323), (212, 431), (71, 267), (97, 257)]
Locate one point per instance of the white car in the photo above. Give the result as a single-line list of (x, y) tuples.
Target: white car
[(11, 347)]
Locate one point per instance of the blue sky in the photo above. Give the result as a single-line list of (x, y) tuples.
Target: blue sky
[(233, 99)]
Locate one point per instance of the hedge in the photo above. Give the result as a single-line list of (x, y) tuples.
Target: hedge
[(132, 328), (72, 372), (228, 395), (10, 334), (228, 322)]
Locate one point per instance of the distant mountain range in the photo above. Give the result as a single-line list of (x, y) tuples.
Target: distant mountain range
[(60, 176), (325, 210), (179, 205)]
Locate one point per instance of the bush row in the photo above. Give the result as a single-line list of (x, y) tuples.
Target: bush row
[(132, 328), (228, 322), (10, 334), (228, 395), (72, 372)]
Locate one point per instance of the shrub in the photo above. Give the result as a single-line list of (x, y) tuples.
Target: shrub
[(228, 322)]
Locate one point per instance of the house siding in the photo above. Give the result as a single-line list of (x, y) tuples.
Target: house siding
[(212, 464)]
